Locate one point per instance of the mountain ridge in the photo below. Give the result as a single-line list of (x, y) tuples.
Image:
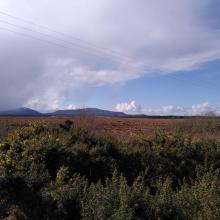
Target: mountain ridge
[(23, 111), (87, 111)]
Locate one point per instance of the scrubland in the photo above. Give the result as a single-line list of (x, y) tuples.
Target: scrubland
[(109, 168)]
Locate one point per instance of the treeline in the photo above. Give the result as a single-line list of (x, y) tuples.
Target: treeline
[(68, 173)]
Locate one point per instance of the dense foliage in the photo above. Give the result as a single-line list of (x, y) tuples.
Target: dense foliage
[(69, 173)]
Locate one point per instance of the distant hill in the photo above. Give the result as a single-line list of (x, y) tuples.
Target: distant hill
[(20, 112), (88, 111)]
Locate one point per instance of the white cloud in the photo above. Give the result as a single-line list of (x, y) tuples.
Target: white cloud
[(43, 105), (199, 109), (204, 108), (130, 107), (52, 105), (70, 106), (169, 109), (146, 36)]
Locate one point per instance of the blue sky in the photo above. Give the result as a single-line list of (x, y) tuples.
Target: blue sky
[(155, 91), (147, 56)]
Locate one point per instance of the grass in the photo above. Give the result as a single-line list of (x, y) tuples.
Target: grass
[(123, 128), (118, 127)]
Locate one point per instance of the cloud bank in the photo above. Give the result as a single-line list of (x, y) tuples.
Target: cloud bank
[(199, 109), (112, 42), (131, 107)]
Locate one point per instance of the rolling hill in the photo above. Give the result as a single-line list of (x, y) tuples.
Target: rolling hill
[(87, 111), (20, 112)]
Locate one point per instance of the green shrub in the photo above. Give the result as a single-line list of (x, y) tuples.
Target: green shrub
[(66, 172)]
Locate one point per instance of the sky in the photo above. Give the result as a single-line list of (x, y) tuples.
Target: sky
[(137, 56)]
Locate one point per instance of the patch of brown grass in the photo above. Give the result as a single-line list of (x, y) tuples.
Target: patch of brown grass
[(121, 128)]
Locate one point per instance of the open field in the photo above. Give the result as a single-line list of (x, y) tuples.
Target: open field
[(121, 127), (118, 127)]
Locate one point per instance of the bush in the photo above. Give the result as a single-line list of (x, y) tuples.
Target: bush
[(66, 172)]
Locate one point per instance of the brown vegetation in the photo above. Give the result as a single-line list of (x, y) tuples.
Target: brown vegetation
[(119, 127), (122, 128)]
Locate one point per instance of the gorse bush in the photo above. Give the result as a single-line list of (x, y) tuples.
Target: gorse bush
[(66, 172)]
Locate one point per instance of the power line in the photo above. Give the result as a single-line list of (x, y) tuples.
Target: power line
[(65, 47), (33, 37), (111, 55), (90, 45), (70, 43), (50, 36)]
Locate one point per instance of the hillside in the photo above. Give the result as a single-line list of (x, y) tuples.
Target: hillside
[(87, 111), (20, 112)]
